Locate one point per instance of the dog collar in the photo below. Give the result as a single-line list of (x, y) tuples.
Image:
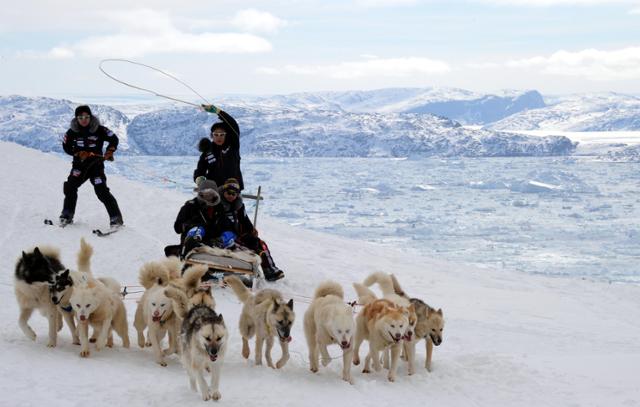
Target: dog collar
[(68, 308)]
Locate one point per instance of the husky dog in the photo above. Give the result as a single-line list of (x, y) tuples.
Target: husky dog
[(34, 272), (264, 315), (385, 282), (61, 287), (329, 320), (383, 324), (98, 302), (187, 291), (155, 312), (204, 342), (430, 326)]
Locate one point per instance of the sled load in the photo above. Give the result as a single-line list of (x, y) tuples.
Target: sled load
[(242, 263)]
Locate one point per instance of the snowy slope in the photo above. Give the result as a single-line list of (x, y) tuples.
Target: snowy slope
[(584, 112), (40, 122), (511, 338)]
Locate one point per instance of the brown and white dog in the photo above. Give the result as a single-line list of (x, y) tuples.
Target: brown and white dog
[(384, 324), (265, 315)]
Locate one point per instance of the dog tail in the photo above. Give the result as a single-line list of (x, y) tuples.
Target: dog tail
[(329, 288), (238, 287), (111, 283), (153, 272), (192, 278), (365, 295), (179, 299), (84, 256), (174, 265), (384, 281), (396, 287)]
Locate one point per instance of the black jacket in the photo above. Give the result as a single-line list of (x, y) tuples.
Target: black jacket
[(235, 217), (90, 138), (195, 213), (219, 163)]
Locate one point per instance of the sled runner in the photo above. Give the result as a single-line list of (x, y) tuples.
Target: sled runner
[(242, 263)]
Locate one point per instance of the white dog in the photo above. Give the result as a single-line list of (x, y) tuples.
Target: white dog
[(329, 320)]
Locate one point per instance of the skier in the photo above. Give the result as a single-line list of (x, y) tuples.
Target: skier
[(84, 141), (237, 227), (220, 155)]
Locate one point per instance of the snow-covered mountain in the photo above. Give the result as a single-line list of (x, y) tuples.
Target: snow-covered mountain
[(457, 104), (272, 131), (40, 122), (591, 112)]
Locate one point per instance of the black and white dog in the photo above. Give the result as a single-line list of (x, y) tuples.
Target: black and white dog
[(35, 272)]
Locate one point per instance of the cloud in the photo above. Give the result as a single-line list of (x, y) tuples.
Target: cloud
[(142, 32), (265, 70), (384, 3), (592, 64), (635, 11), (253, 20), (391, 67), (549, 3)]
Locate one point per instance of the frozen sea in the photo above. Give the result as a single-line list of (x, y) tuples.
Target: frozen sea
[(569, 216)]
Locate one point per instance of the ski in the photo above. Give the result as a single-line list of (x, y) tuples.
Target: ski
[(100, 233), (51, 223)]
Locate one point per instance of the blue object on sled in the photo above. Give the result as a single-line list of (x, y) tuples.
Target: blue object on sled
[(228, 239), (196, 232)]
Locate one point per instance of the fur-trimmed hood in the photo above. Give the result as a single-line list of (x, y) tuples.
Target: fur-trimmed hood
[(94, 125)]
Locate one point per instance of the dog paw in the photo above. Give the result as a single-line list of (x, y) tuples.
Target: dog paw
[(366, 371), (392, 378), (93, 340), (85, 354), (31, 335), (326, 361), (162, 363), (168, 352), (347, 379), (147, 344), (205, 397), (76, 341), (281, 364), (51, 344), (356, 361), (216, 395), (314, 369)]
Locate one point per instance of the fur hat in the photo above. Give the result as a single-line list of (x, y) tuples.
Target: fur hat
[(204, 145), (83, 109), (231, 184), (208, 193)]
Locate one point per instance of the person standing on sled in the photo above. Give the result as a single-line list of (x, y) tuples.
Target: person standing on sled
[(237, 226), (220, 155), (198, 221), (84, 141)]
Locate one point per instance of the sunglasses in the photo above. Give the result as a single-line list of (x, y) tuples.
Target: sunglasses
[(84, 117), (218, 134), (231, 192)]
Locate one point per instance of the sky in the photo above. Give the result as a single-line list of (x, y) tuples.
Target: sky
[(278, 47)]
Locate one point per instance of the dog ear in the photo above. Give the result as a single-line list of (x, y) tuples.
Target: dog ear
[(276, 304), (290, 304), (65, 274), (37, 252), (439, 311), (220, 319)]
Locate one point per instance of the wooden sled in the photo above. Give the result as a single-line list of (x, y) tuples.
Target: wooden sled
[(240, 262)]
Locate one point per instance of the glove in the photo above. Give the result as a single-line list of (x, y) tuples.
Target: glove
[(200, 179), (228, 240), (109, 154), (196, 233), (83, 155), (211, 109)]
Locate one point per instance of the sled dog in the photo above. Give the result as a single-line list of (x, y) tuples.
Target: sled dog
[(34, 272), (329, 320), (188, 292), (155, 312), (97, 302), (385, 282), (430, 327), (204, 342), (264, 315), (61, 287), (383, 324)]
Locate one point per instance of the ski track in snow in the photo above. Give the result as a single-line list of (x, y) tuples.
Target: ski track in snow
[(510, 339)]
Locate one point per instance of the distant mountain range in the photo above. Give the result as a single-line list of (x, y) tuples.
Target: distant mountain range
[(313, 126)]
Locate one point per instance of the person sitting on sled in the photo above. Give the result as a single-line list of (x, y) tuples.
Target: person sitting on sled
[(198, 221), (84, 141), (220, 155), (238, 228)]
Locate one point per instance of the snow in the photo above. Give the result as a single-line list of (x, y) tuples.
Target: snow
[(510, 339)]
